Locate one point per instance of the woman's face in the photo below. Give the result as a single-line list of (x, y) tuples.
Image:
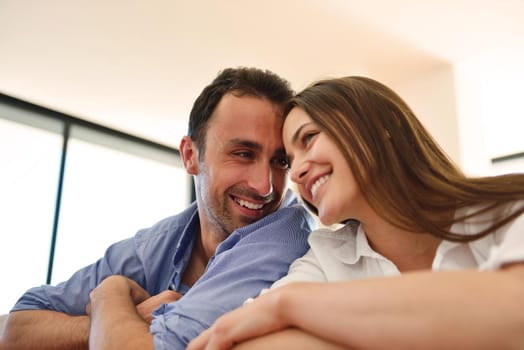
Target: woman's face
[(320, 171)]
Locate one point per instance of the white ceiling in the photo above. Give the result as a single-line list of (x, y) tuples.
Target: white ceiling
[(137, 65)]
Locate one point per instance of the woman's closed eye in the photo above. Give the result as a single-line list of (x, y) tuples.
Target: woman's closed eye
[(307, 137)]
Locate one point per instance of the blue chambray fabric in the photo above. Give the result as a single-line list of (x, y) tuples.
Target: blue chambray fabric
[(250, 259)]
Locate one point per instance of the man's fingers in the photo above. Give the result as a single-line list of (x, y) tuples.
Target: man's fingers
[(138, 294), (145, 309), (170, 295)]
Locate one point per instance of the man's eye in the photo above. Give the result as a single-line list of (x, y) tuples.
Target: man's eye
[(281, 163), (244, 154)]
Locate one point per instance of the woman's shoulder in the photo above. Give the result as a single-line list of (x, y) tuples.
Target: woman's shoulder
[(469, 213)]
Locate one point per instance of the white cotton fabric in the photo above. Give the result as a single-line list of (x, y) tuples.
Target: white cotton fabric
[(344, 254)]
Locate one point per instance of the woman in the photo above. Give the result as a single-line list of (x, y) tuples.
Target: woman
[(427, 257)]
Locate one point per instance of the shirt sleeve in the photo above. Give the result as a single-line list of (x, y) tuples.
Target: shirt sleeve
[(509, 244), (304, 269), (245, 263), (72, 296)]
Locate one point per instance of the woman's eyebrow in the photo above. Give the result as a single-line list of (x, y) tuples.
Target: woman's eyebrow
[(297, 133)]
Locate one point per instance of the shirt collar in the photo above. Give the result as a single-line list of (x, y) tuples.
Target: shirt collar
[(184, 247), (350, 251), (356, 247)]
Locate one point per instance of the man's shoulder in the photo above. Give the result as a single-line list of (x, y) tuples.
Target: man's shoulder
[(292, 212), (170, 228), (290, 199)]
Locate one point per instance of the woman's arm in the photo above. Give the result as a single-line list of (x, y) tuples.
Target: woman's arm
[(288, 339), (461, 309)]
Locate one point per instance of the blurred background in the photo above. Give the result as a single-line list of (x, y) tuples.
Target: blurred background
[(96, 96)]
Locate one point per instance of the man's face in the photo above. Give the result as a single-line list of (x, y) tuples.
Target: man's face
[(244, 169)]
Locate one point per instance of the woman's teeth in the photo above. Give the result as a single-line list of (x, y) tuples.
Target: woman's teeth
[(317, 184)]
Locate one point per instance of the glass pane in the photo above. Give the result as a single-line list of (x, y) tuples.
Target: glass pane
[(30, 159), (515, 165), (108, 195)]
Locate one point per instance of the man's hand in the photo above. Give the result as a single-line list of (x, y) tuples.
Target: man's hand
[(145, 309), (145, 304), (118, 285), (115, 322)]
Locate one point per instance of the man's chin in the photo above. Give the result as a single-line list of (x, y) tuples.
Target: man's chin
[(246, 220)]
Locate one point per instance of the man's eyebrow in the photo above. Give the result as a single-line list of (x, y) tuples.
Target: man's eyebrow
[(253, 145), (245, 143), (281, 152)]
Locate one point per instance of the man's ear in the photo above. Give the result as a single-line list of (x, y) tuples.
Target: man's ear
[(189, 154)]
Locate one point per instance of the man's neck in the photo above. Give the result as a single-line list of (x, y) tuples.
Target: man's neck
[(204, 248)]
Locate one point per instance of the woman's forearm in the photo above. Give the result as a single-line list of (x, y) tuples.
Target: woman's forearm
[(464, 309)]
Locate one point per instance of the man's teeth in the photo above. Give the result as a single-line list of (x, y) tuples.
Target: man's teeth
[(249, 205), (318, 183)]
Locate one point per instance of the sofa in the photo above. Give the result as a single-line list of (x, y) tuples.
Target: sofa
[(3, 318)]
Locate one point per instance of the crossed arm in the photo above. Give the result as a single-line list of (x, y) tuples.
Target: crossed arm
[(45, 329), (462, 309), (117, 303), (115, 321)]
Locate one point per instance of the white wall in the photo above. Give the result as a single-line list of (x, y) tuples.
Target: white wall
[(138, 66), (474, 109), (431, 95), (490, 111)]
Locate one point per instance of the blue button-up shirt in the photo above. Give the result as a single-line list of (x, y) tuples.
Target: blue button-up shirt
[(250, 259)]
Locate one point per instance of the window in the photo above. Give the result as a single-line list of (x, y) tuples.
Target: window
[(107, 196), (512, 163), (70, 188), (30, 159)]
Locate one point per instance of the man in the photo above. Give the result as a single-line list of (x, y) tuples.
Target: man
[(240, 236)]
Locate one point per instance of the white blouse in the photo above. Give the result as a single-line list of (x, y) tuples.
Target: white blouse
[(344, 254)]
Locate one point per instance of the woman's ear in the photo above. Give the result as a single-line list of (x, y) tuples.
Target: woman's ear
[(189, 154)]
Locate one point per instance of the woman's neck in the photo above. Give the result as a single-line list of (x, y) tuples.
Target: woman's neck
[(407, 250)]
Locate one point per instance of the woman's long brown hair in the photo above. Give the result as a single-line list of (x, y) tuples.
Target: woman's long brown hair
[(402, 172)]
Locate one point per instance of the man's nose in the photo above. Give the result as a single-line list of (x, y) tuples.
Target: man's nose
[(261, 179)]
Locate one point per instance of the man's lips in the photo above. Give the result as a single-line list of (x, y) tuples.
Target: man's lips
[(251, 205)]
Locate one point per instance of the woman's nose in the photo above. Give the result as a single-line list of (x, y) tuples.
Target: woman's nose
[(298, 171)]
